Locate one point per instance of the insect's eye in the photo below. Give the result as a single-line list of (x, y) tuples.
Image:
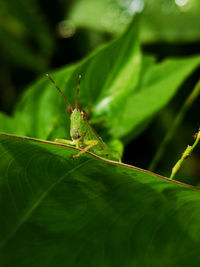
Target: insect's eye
[(84, 115), (69, 109), (76, 135)]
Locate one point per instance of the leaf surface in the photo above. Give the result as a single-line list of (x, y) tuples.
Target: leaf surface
[(56, 211), (158, 85)]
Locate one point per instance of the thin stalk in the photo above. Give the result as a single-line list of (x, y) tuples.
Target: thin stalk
[(184, 156), (188, 102)]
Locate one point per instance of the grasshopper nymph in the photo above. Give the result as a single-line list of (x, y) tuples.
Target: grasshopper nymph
[(82, 134)]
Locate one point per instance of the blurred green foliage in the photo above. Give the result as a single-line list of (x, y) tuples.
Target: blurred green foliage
[(25, 37), (166, 20)]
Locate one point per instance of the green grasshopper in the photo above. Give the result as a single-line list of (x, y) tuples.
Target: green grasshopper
[(83, 135)]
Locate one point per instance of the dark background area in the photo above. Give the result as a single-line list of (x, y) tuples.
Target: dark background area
[(34, 41)]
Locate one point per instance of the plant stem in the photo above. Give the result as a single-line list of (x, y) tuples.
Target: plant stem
[(185, 155), (188, 102)]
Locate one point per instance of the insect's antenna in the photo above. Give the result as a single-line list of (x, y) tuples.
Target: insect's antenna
[(77, 92), (49, 77)]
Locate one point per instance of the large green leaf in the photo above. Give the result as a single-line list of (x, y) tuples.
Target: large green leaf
[(158, 85), (56, 211)]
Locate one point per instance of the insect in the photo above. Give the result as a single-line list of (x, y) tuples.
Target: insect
[(83, 135)]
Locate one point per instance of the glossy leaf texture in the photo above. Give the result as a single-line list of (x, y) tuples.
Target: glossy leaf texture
[(56, 211)]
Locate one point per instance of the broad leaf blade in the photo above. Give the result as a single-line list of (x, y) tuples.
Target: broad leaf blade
[(88, 212), (158, 85)]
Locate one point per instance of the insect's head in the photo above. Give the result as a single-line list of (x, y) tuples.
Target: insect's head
[(70, 108)]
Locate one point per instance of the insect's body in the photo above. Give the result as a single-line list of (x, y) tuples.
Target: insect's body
[(83, 135)]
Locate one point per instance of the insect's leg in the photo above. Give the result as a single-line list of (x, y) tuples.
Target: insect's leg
[(90, 144), (64, 141)]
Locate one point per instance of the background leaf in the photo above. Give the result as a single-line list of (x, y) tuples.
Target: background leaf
[(123, 89), (109, 73), (86, 212), (160, 20), (158, 85)]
